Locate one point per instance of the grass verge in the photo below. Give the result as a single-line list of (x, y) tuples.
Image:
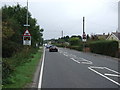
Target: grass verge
[(24, 73)]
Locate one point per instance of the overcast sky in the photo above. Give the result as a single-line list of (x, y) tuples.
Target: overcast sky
[(53, 16)]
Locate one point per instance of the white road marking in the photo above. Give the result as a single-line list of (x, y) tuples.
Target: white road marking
[(111, 70), (114, 75), (75, 60), (84, 61), (88, 62), (66, 55), (97, 67), (41, 72), (79, 59), (104, 76), (105, 68)]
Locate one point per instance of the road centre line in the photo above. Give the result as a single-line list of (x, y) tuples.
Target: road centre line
[(105, 68), (111, 70), (97, 67), (75, 60), (89, 62), (79, 59), (112, 75), (65, 55), (104, 76), (41, 71)]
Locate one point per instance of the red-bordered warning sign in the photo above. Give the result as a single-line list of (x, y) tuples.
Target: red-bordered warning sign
[(26, 33)]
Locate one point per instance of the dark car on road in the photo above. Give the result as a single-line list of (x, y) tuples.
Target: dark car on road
[(53, 49)]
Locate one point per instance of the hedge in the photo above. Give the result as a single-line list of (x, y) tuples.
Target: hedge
[(78, 48), (9, 64), (104, 47)]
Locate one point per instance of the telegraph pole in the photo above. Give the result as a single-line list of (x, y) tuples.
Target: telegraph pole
[(27, 35), (62, 33), (27, 14), (84, 35), (83, 25), (26, 25)]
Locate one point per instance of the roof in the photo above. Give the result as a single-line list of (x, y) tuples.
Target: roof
[(102, 36), (117, 34)]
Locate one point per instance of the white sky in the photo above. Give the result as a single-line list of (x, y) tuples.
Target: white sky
[(101, 16)]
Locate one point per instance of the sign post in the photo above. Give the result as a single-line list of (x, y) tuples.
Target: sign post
[(27, 38), (84, 35)]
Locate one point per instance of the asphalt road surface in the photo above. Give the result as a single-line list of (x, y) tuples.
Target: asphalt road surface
[(73, 69)]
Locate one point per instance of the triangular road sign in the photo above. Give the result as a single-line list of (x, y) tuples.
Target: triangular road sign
[(26, 33)]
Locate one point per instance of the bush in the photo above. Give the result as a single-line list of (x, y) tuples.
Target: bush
[(9, 48), (104, 47), (78, 48), (9, 64), (60, 45), (74, 41)]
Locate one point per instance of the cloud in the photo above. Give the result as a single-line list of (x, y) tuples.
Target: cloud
[(57, 15)]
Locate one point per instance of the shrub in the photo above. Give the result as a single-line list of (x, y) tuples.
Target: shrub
[(104, 47), (74, 41), (61, 45), (9, 64)]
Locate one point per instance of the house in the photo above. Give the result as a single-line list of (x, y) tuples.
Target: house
[(114, 36), (102, 36)]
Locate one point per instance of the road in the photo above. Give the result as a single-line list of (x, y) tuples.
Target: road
[(73, 69)]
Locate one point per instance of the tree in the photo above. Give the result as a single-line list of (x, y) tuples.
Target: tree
[(74, 41), (13, 20)]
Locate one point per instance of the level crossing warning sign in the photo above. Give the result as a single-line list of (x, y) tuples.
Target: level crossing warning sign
[(26, 38)]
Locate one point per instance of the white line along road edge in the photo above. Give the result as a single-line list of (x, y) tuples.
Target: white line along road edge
[(41, 71), (104, 76)]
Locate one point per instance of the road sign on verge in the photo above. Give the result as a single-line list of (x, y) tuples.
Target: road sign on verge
[(26, 38)]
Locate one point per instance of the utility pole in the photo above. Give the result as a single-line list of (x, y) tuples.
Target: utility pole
[(62, 33), (83, 25), (84, 35), (26, 25), (27, 14), (27, 35)]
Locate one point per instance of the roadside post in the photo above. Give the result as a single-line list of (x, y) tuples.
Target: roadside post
[(27, 35), (84, 39)]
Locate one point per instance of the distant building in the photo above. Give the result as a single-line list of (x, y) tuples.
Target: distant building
[(114, 36), (102, 36)]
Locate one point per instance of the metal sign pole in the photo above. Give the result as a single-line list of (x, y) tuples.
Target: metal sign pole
[(27, 36), (84, 35)]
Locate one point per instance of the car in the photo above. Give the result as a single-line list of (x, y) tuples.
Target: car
[(48, 46), (53, 49)]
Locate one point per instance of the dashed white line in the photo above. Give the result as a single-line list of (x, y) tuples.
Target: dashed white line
[(88, 62), (75, 60), (111, 70), (66, 55), (114, 75), (97, 67)]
